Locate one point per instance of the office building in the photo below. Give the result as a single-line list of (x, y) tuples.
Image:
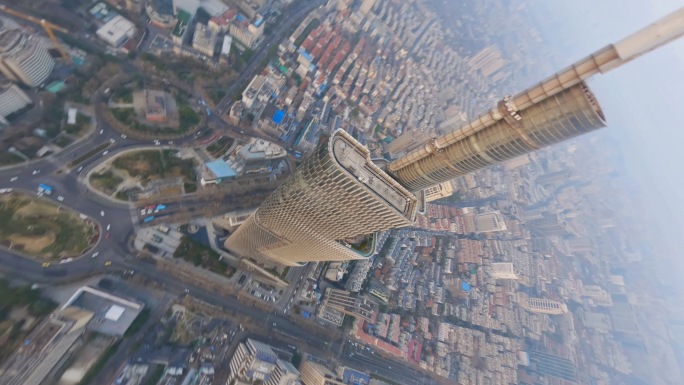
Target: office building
[(484, 223), (252, 361), (345, 302), (336, 194), (204, 40), (317, 374), (556, 109), (12, 99), (439, 191), (23, 58), (542, 305), (48, 346), (545, 364), (116, 31), (284, 374)]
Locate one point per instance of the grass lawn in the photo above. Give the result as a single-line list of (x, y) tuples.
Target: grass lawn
[(7, 158), (106, 182), (38, 228), (62, 141), (219, 146), (152, 165), (201, 255)]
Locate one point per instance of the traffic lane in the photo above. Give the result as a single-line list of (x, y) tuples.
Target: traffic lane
[(227, 302), (359, 352), (395, 373)]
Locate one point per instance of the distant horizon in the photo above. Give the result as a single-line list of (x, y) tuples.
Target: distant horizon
[(637, 99)]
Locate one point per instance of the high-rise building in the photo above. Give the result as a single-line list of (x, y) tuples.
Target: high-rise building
[(439, 191), (23, 58), (336, 194), (558, 108), (204, 40), (543, 305), (252, 361), (347, 303), (339, 193), (501, 134), (12, 99), (284, 374), (549, 365), (317, 374)]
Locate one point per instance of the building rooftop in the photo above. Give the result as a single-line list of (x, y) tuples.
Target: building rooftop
[(112, 315), (220, 169), (355, 159)]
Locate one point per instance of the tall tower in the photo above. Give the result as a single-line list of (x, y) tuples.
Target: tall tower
[(339, 193), (558, 108), (336, 194)]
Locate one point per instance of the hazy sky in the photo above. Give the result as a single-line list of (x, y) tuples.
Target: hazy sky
[(643, 100)]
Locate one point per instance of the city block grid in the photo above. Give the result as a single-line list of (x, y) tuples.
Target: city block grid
[(512, 274)]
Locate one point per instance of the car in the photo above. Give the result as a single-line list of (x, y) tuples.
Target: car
[(187, 290), (14, 178), (107, 235), (60, 198), (170, 141), (46, 264), (79, 169), (102, 131), (105, 153), (108, 263), (124, 136), (109, 226), (102, 213), (35, 172), (95, 254), (142, 211)]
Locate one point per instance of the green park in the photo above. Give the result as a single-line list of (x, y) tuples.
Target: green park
[(41, 229)]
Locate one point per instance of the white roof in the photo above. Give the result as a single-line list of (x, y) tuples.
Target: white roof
[(71, 116), (114, 313), (225, 48)]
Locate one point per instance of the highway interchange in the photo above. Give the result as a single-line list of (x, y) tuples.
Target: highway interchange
[(118, 222)]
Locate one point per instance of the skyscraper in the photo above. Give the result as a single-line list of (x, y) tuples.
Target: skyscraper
[(338, 193)]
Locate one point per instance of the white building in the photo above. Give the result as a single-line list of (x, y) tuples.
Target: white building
[(12, 99), (252, 361), (23, 58), (503, 270), (116, 31)]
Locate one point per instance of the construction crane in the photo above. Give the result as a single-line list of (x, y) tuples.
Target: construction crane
[(47, 26)]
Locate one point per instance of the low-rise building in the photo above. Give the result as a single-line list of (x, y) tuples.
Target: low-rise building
[(116, 31), (204, 40)]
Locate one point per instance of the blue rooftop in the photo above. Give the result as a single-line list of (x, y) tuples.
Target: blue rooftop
[(259, 21), (306, 55), (354, 377), (220, 169), (278, 116), (465, 286)]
